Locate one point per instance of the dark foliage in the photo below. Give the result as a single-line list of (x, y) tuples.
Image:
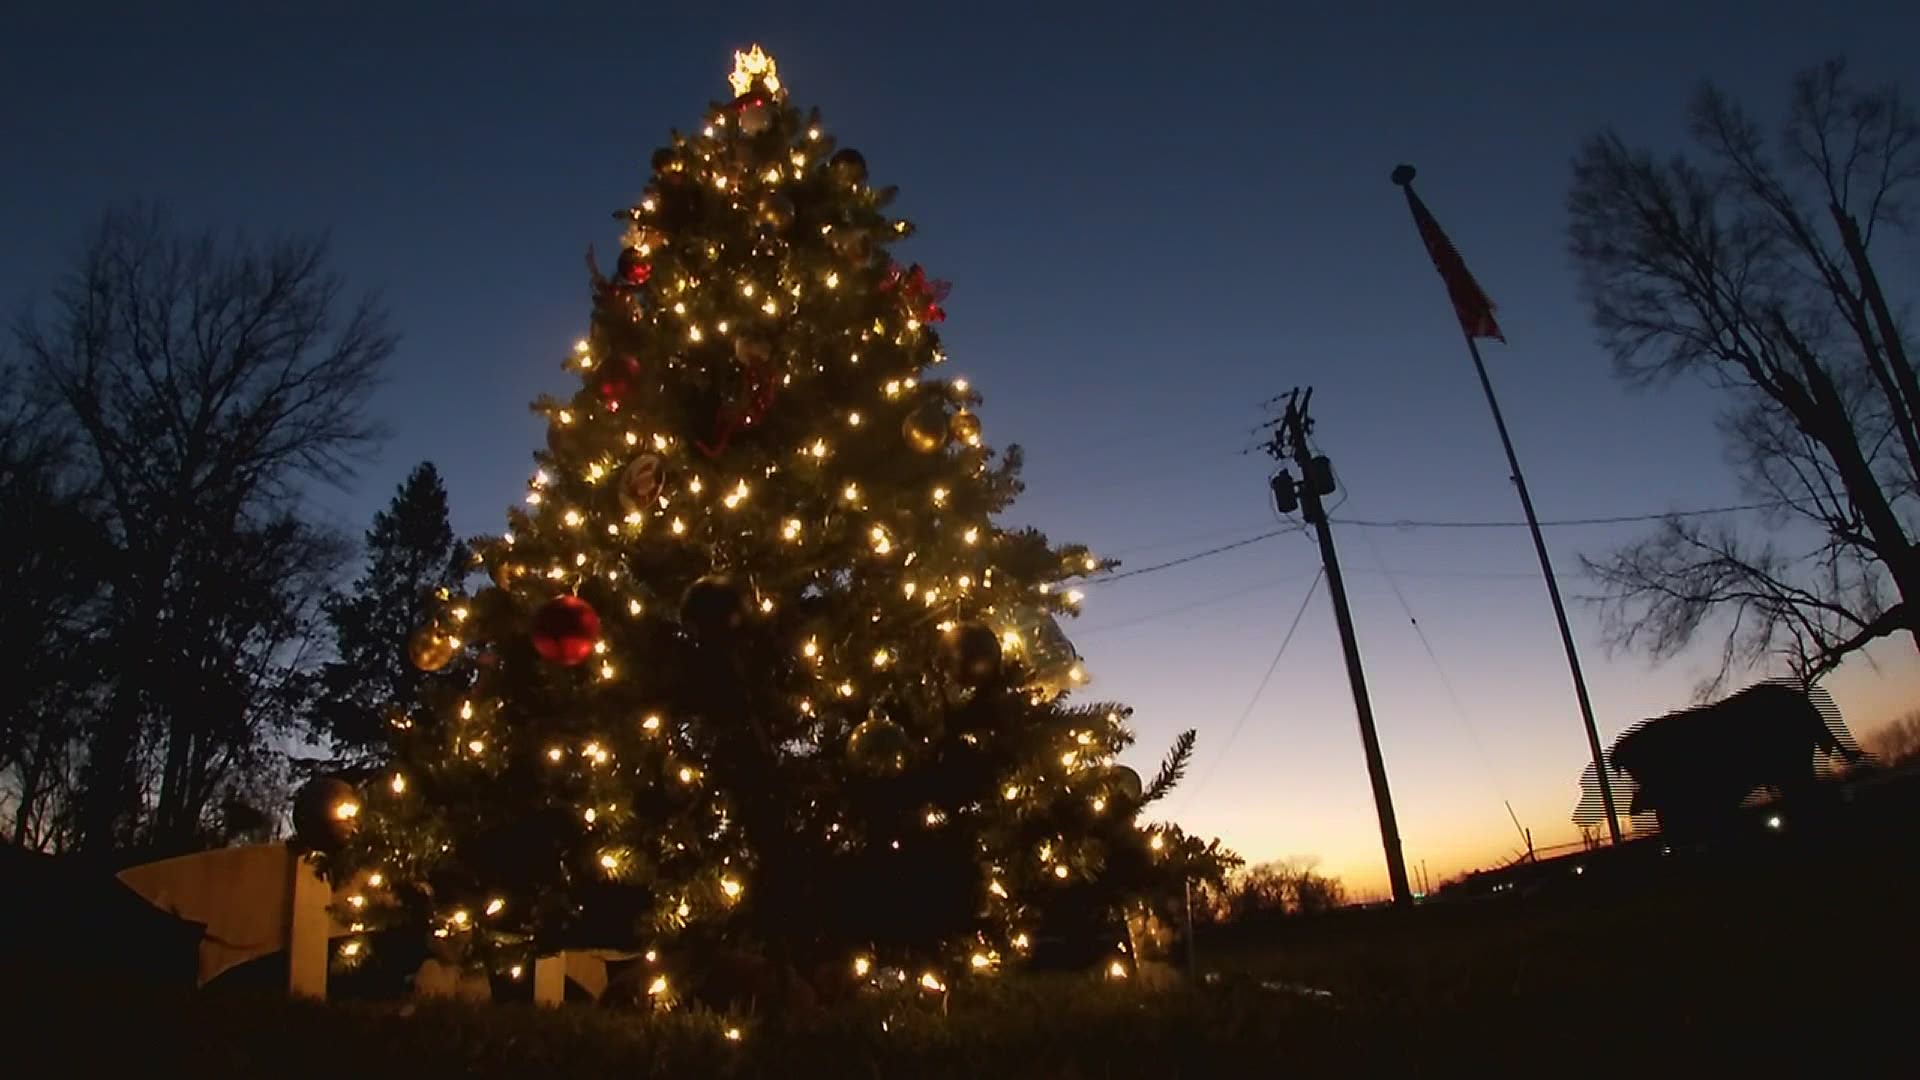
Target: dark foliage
[(411, 560)]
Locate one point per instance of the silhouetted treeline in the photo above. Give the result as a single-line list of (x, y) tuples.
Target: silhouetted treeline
[(1269, 890), (172, 402), (1898, 744)]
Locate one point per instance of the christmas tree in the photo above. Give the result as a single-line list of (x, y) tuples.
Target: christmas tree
[(759, 680)]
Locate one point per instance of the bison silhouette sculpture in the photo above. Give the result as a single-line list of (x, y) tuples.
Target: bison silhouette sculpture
[(1690, 771)]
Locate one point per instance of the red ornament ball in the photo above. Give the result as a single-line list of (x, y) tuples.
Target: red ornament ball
[(633, 269), (617, 378), (564, 630)]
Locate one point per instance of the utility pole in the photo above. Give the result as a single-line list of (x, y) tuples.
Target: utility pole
[(1316, 480)]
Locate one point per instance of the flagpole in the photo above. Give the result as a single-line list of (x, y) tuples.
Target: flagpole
[(1403, 176)]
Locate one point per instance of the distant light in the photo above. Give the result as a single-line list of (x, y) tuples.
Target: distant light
[(1773, 821)]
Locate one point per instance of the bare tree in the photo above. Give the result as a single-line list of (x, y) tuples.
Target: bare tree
[(49, 650), (1746, 264), (207, 384)]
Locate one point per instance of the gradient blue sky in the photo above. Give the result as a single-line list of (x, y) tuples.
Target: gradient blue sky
[(1154, 219)]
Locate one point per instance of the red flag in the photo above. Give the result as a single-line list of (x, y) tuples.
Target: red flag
[(1469, 302)]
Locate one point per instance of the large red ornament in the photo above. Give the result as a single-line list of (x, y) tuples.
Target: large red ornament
[(616, 380), (564, 630), (633, 269)]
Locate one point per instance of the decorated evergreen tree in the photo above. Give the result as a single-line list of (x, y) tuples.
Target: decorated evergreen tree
[(760, 685)]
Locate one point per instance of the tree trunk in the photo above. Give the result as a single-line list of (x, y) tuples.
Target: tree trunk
[(32, 767), (1890, 339), (109, 787), (173, 781), (1822, 415)]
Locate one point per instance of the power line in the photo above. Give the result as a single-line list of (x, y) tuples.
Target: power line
[(1618, 520), (1188, 538), (1190, 605), (1262, 688), (1104, 579), (1460, 711), (1408, 523)]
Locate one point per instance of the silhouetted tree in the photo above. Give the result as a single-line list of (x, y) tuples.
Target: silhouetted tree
[(1269, 890), (205, 384), (50, 604), (1746, 264), (410, 554)]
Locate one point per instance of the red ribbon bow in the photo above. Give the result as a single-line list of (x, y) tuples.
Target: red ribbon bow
[(922, 295), (733, 416)]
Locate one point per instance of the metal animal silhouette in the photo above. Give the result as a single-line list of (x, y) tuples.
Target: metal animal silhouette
[(1692, 769)]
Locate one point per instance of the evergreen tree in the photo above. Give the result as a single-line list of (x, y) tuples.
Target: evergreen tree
[(412, 563), (760, 685)]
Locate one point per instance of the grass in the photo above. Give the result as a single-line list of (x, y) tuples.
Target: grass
[(1762, 959)]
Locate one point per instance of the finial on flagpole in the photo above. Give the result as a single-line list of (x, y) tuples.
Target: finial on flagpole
[(1403, 175)]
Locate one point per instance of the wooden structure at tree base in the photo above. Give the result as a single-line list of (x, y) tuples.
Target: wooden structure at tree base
[(259, 899), (254, 900)]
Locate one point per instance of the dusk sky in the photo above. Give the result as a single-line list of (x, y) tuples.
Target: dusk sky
[(1153, 223)]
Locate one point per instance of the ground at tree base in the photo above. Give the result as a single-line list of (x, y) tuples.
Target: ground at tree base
[(1756, 959)]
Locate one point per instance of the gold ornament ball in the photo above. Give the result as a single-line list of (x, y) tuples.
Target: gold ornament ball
[(966, 428), (879, 746), (925, 428), (851, 243), (971, 653), (848, 167), (429, 649), (326, 813)]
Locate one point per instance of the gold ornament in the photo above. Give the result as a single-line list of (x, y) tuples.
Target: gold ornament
[(966, 427), (925, 428), (326, 813), (851, 243), (879, 746), (429, 649)]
